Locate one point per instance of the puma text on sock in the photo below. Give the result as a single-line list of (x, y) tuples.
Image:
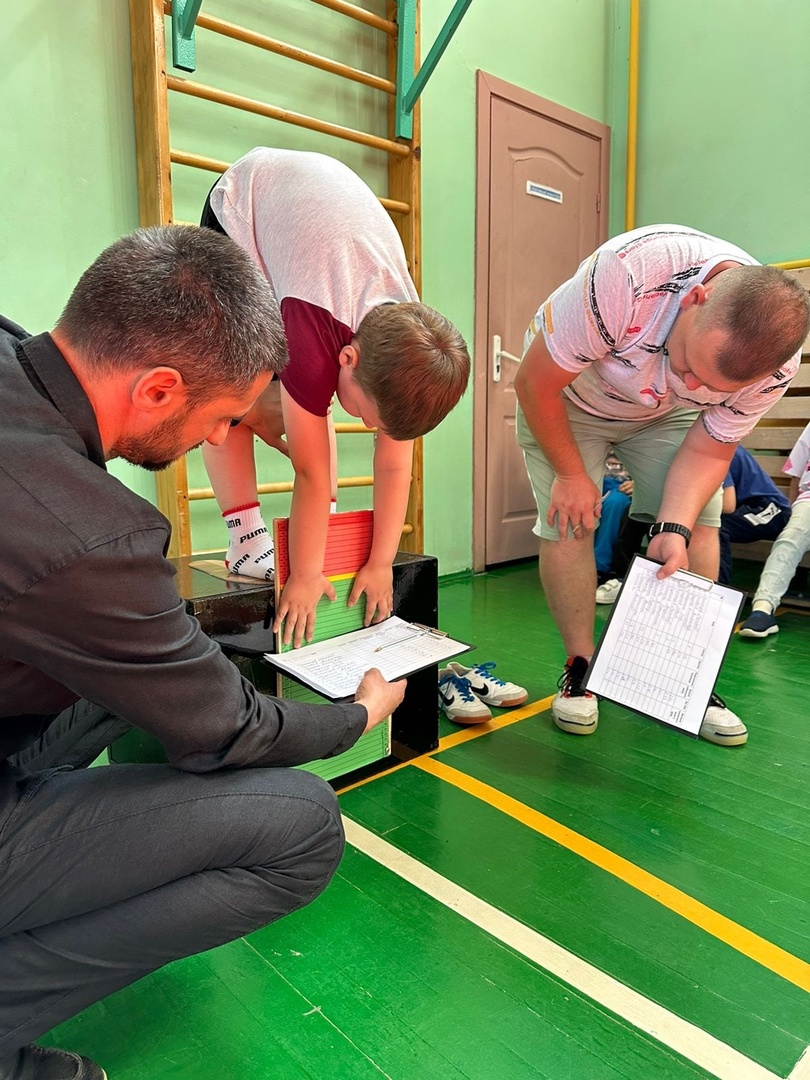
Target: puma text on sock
[(250, 547)]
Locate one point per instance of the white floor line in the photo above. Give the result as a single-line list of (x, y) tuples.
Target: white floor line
[(684, 1038), (801, 1070)]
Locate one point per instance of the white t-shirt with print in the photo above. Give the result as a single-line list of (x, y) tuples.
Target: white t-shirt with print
[(611, 321), (798, 464), (327, 247)]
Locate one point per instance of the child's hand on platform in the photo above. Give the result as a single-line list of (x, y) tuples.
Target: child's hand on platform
[(377, 582), (296, 609), (379, 697)]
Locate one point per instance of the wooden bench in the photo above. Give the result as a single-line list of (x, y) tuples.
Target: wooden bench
[(775, 435)]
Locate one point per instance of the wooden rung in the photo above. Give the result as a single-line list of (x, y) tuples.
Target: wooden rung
[(279, 487), (344, 428), (292, 52), (197, 161), (361, 15), (237, 101)]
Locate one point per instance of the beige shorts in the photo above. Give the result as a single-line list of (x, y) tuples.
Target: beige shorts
[(646, 448)]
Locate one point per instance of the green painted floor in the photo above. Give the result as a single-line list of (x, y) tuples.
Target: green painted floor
[(378, 979)]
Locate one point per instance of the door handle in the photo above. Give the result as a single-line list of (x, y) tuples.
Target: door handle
[(499, 354)]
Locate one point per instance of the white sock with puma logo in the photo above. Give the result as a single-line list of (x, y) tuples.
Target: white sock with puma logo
[(250, 547)]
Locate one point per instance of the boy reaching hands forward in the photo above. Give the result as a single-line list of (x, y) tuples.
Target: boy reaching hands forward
[(355, 328)]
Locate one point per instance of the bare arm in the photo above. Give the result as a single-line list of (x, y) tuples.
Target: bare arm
[(308, 442), (793, 490), (539, 384), (729, 499), (392, 480), (697, 471)]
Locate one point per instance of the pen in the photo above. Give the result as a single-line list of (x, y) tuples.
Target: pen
[(416, 629)]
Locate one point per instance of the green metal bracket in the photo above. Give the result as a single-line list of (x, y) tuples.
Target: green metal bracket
[(409, 87), (184, 51)]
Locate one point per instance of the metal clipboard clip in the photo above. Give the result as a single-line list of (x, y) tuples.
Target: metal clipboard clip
[(697, 580)]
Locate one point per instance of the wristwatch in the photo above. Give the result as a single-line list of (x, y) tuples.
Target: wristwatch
[(670, 526)]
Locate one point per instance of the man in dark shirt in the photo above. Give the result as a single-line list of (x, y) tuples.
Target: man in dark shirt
[(109, 873)]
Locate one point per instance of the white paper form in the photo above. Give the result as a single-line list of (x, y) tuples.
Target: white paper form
[(398, 648), (661, 650)]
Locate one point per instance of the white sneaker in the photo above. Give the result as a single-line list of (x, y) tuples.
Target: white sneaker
[(722, 726), (607, 593), (503, 695), (575, 709), (459, 702)]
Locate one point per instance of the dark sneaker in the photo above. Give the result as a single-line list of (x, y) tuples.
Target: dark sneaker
[(722, 726), (44, 1063), (759, 624), (575, 709)]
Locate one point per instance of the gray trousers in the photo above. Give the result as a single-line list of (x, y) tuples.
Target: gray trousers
[(109, 873)]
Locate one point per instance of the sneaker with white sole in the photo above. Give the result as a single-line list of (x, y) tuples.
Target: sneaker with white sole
[(459, 702), (46, 1063), (574, 708), (487, 687), (607, 593), (722, 726), (759, 624)]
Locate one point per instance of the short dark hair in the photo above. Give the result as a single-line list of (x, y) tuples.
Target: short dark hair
[(178, 295), (414, 364), (766, 314)]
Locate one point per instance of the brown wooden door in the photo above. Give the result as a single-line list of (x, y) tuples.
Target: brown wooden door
[(546, 185)]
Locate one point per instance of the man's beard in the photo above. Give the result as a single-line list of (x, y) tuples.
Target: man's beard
[(157, 450)]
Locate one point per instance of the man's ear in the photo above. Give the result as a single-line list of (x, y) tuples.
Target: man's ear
[(158, 389), (348, 356), (696, 296)]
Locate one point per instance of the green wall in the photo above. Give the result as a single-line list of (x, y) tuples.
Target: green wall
[(724, 144), (724, 132)]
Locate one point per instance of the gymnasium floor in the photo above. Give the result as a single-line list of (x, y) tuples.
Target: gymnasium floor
[(524, 903)]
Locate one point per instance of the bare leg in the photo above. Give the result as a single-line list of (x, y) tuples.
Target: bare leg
[(231, 468), (568, 574)]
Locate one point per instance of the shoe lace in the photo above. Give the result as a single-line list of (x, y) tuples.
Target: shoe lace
[(485, 671), (716, 700), (570, 682), (460, 685)]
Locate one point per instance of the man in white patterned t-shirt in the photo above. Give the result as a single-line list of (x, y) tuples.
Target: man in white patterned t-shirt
[(667, 346)]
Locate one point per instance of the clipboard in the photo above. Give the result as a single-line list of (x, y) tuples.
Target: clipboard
[(335, 666), (664, 643)]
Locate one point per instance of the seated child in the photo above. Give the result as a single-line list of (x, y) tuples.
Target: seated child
[(617, 487), (788, 548), (754, 508)]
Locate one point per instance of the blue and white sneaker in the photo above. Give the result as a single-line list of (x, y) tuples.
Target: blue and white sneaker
[(458, 701), (489, 688), (759, 624)]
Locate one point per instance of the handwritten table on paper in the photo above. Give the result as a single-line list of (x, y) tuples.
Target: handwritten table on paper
[(664, 643), (398, 648)]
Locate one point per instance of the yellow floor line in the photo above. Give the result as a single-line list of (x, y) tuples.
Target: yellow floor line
[(474, 731), (770, 956)]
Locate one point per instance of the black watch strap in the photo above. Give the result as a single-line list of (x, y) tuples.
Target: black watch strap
[(670, 526)]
